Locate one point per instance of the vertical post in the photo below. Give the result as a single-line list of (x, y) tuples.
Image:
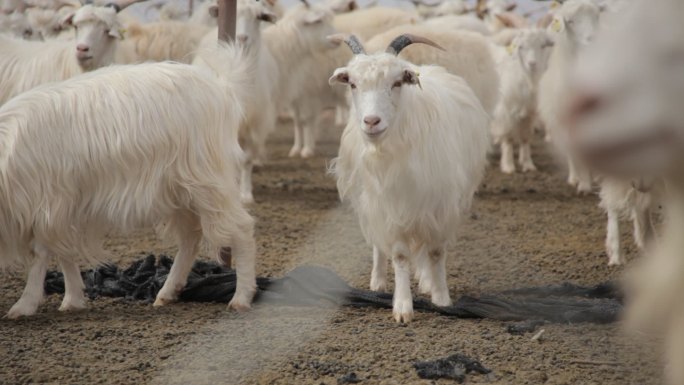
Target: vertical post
[(191, 6), (226, 23), (227, 13), (481, 8)]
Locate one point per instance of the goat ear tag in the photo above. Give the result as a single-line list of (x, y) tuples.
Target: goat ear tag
[(511, 48), (556, 25), (555, 4)]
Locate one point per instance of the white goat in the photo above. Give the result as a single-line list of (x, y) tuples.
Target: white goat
[(25, 65), (260, 113), (466, 54), (293, 41), (519, 69), (573, 26), (122, 148), (410, 160), (627, 121)]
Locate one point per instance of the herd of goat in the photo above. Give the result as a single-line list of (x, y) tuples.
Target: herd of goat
[(109, 124)]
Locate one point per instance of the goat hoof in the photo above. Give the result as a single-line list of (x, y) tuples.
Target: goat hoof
[(529, 168), (21, 310), (403, 311), (73, 304), (307, 153), (163, 301), (441, 300), (378, 285), (239, 306)]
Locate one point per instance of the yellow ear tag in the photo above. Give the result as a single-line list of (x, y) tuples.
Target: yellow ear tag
[(122, 32), (556, 25), (555, 4), (511, 48)]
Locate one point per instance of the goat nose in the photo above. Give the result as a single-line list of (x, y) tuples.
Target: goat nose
[(372, 120), (82, 48), (242, 38), (581, 105)]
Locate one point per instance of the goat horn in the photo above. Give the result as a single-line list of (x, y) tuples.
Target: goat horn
[(119, 5), (306, 3), (352, 41), (403, 41)]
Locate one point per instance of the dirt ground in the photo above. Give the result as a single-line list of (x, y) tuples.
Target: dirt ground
[(525, 230)]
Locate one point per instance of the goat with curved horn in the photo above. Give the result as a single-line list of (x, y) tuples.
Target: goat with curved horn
[(403, 41), (352, 41)]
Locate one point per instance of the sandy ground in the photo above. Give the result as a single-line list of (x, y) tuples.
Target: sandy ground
[(525, 230)]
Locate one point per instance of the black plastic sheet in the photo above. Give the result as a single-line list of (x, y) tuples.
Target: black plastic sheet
[(319, 286)]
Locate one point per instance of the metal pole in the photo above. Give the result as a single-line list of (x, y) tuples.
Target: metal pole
[(227, 13), (191, 6)]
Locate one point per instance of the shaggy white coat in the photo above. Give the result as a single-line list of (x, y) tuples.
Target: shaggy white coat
[(122, 148), (412, 187)]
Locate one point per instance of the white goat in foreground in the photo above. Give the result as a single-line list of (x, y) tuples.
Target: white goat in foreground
[(519, 69), (410, 160), (573, 26), (122, 148), (627, 121), (25, 65)]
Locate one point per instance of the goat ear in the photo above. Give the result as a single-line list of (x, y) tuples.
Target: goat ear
[(314, 17), (213, 11), (506, 20), (339, 77), (68, 20), (411, 77), (116, 33), (267, 17)]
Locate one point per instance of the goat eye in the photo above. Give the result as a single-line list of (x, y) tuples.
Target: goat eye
[(396, 84), (352, 85)]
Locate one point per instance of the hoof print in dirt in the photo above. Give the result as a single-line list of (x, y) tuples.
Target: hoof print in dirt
[(455, 367), (520, 328)]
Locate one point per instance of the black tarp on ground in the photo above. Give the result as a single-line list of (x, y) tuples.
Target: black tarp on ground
[(319, 286)]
